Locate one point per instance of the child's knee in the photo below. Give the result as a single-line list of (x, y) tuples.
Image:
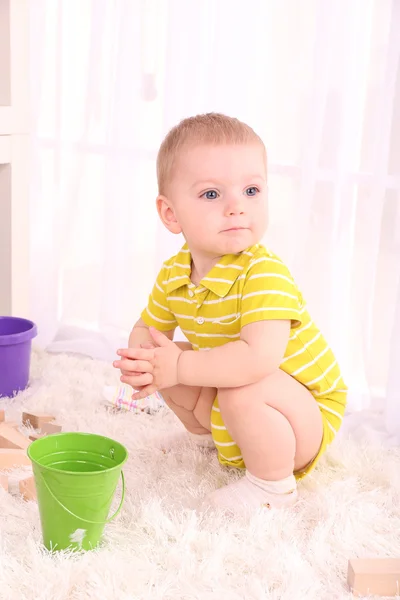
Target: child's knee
[(233, 399)]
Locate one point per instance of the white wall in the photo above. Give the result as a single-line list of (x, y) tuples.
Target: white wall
[(14, 158)]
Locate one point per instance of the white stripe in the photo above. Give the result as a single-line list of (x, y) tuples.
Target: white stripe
[(222, 320), (331, 427), (330, 410), (217, 280), (331, 388), (297, 331), (184, 251), (157, 319), (304, 367), (247, 253), (179, 299), (240, 457), (218, 426), (200, 290), (303, 349), (233, 297), (216, 409), (217, 335), (323, 374), (238, 267), (211, 319), (159, 288), (175, 279), (267, 308), (210, 335), (266, 259), (270, 293), (161, 306), (225, 444), (177, 265), (257, 276)]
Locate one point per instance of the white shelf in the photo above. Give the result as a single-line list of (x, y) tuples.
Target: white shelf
[(14, 158), (5, 149)]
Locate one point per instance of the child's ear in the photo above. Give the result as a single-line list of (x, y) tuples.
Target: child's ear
[(167, 215)]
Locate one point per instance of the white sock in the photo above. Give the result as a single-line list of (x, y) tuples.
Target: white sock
[(250, 492), (204, 440)]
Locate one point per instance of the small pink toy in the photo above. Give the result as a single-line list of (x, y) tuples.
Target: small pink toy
[(121, 397)]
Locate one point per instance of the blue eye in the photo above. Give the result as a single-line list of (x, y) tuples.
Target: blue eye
[(251, 191), (210, 195)]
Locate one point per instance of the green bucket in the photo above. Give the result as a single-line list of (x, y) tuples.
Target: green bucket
[(76, 475)]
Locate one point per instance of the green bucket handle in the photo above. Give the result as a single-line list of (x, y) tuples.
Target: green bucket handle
[(87, 520)]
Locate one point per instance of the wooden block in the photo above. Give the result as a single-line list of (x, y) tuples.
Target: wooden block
[(36, 420), (11, 458), (51, 428), (27, 488), (4, 482), (2, 415), (374, 576), (10, 438)]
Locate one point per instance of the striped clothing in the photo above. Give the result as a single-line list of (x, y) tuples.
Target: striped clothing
[(251, 286)]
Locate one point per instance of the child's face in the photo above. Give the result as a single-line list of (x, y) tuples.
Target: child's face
[(218, 197)]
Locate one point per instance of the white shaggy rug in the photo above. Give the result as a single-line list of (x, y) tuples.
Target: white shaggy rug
[(160, 549)]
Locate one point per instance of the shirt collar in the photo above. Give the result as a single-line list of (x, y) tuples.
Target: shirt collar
[(220, 278), (226, 272), (179, 273)]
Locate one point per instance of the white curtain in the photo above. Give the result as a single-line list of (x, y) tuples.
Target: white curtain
[(320, 82)]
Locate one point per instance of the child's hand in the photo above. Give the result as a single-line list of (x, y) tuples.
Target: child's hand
[(135, 366), (148, 345), (158, 367)]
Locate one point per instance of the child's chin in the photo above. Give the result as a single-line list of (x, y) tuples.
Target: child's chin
[(236, 246)]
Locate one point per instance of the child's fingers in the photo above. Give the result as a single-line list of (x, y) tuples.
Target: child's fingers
[(137, 380), (144, 392), (129, 373), (133, 366), (136, 353)]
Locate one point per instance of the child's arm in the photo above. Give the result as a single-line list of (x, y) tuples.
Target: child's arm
[(271, 303), (140, 335), (259, 352)]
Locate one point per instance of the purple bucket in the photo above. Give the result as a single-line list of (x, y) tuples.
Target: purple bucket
[(15, 354)]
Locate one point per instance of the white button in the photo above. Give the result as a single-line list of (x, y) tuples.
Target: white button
[(200, 320), (191, 294)]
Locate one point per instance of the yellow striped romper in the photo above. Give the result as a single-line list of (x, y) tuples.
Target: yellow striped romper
[(243, 288)]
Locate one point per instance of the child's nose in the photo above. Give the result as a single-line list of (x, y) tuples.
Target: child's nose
[(234, 206)]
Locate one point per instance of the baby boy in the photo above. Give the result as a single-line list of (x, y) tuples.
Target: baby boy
[(256, 378)]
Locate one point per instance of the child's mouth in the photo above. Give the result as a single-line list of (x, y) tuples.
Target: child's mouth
[(234, 229)]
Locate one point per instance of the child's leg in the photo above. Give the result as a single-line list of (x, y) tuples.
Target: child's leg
[(276, 423), (278, 426), (192, 406)]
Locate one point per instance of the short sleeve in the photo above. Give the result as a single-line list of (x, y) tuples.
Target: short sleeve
[(157, 314), (270, 292)]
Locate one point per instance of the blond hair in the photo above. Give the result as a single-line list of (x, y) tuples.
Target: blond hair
[(211, 128)]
